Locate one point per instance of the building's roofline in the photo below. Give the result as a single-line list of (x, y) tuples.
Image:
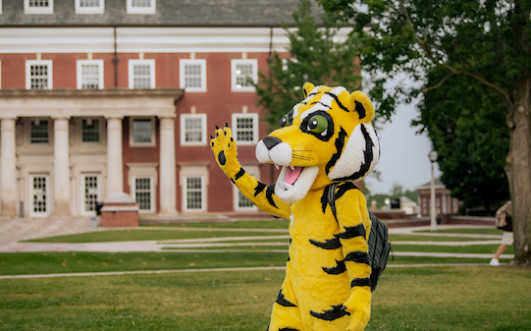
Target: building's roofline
[(168, 13)]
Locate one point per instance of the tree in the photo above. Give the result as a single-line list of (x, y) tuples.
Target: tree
[(463, 122), (314, 56), (485, 40)]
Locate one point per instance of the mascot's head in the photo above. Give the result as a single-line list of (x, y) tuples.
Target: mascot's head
[(325, 138)]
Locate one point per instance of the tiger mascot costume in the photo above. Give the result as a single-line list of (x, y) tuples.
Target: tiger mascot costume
[(326, 138)]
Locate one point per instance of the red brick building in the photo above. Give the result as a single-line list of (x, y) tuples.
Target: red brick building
[(105, 96), (445, 204)]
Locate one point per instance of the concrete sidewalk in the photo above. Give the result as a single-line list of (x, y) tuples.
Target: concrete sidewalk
[(15, 230)]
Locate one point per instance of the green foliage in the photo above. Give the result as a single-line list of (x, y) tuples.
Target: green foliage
[(475, 54), (314, 56), (466, 124)]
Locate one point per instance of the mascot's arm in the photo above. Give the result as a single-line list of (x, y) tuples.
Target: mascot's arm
[(262, 196), (353, 219)]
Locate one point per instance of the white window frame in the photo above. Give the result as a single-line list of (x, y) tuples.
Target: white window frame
[(253, 171), (132, 141), (202, 64), (254, 118), (187, 172), (151, 193), (100, 9), (80, 64), (152, 9), (1, 5), (48, 129), (30, 63), (32, 212), (234, 74), (38, 10), (183, 119), (85, 212), (203, 194), (100, 130), (151, 64)]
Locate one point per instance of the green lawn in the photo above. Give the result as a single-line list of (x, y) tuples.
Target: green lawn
[(431, 298)]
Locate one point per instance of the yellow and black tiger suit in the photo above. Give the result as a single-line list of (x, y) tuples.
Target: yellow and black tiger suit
[(325, 138)]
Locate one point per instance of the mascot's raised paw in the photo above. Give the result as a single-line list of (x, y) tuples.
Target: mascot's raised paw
[(225, 150)]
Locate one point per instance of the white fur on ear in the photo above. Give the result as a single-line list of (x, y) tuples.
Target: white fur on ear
[(354, 164)]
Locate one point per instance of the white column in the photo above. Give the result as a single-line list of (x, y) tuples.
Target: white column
[(167, 183), (114, 156), (61, 158), (8, 168)]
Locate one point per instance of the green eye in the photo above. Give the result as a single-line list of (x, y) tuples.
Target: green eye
[(318, 124)]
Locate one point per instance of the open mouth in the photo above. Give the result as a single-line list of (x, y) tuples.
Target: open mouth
[(289, 176)]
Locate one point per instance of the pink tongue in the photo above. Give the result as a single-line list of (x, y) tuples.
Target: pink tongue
[(292, 175)]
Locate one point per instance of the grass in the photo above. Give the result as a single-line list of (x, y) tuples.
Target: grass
[(473, 230), (431, 298), (144, 234), (244, 224)]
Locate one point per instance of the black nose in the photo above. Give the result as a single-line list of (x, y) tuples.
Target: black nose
[(271, 142)]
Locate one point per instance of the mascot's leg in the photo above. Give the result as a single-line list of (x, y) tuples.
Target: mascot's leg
[(286, 314)]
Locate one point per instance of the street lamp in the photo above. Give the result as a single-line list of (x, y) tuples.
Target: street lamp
[(433, 222)]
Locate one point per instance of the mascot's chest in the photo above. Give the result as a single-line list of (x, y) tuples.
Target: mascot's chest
[(313, 232)]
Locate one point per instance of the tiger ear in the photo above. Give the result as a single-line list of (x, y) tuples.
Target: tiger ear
[(307, 88), (363, 106)]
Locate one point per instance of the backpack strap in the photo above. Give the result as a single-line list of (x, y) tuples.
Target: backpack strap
[(332, 198)]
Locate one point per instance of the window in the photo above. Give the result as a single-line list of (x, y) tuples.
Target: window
[(38, 6), (245, 128), (143, 193), (193, 129), (242, 71), (193, 75), (90, 130), (142, 131), (194, 193), (240, 201), (39, 195), (90, 6), (39, 133), (90, 74), (91, 193), (141, 6), (39, 74), (141, 74)]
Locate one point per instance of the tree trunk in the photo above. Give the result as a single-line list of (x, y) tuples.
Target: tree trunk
[(519, 169)]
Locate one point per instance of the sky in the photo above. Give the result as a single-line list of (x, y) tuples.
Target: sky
[(404, 154)]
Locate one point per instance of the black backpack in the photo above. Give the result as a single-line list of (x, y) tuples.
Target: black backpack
[(379, 245)]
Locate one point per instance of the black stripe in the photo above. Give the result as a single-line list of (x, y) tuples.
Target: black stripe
[(338, 269), (366, 162), (259, 188), (338, 102), (332, 314), (353, 232), (360, 109), (328, 244), (239, 174), (281, 300), (288, 329), (358, 256), (269, 195), (344, 188), (360, 282), (340, 144)]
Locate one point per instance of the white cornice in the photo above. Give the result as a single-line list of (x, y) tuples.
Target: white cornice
[(155, 40)]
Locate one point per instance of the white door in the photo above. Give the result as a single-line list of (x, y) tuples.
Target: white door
[(39, 197), (90, 194)]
